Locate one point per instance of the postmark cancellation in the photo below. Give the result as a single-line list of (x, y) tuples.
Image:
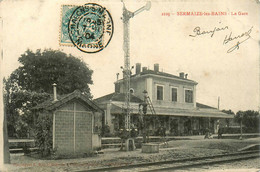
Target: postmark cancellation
[(88, 27)]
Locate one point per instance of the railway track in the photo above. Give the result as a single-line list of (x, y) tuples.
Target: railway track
[(183, 163)]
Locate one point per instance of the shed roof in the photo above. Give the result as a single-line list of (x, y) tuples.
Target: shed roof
[(52, 105), (120, 97), (199, 105)]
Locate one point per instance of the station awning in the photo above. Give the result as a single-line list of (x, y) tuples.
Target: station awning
[(162, 111)]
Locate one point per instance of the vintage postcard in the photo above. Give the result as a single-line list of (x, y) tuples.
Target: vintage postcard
[(121, 85)]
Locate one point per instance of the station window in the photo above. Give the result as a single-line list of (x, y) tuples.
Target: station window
[(174, 94), (188, 96), (159, 92)]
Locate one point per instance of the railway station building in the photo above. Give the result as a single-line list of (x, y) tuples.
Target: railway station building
[(174, 101)]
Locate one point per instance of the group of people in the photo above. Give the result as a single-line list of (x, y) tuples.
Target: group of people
[(208, 135)]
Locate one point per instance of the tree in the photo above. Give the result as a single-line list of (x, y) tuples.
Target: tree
[(250, 119), (19, 115), (228, 119), (43, 134), (31, 84), (239, 118), (41, 69)]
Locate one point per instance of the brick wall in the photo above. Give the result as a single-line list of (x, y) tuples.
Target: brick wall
[(64, 134), (83, 132), (73, 139)]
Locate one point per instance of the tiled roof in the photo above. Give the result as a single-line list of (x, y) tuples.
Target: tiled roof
[(202, 110), (152, 72), (118, 97), (51, 105), (170, 111), (199, 105)]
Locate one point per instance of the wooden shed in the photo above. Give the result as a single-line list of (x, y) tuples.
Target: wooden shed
[(77, 121)]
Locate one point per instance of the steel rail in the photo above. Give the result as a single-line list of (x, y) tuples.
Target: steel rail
[(143, 165), (203, 163)]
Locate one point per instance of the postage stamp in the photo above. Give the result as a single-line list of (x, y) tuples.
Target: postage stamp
[(88, 27), (66, 11)]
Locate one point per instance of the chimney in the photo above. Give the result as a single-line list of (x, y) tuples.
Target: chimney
[(54, 92), (218, 102), (117, 76), (182, 75), (144, 69), (137, 68), (117, 87), (156, 67), (186, 76)]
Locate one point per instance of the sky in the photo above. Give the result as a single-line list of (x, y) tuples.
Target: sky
[(159, 35)]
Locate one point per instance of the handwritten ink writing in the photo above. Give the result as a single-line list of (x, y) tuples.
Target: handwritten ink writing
[(198, 32), (240, 38), (236, 46), (230, 38)]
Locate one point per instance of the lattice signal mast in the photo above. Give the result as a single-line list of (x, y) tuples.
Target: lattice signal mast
[(127, 15)]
